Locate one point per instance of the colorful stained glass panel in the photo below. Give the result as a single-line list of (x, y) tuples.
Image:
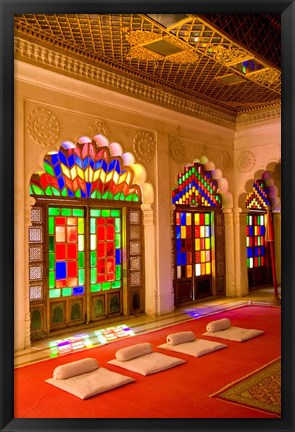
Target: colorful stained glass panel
[(255, 240)]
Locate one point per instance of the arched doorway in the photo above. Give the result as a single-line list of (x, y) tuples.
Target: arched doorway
[(198, 236), (86, 240)]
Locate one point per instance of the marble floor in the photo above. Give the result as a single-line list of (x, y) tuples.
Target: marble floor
[(106, 333)]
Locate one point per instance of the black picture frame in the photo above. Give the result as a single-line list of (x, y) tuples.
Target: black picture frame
[(7, 192)]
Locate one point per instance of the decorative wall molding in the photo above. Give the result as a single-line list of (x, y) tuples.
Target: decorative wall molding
[(229, 56), (245, 161), (176, 149), (258, 116), (90, 72), (43, 126), (99, 126), (144, 145)]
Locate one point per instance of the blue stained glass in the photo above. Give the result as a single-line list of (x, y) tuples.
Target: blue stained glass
[(88, 188), (178, 245), (262, 251), (60, 270), (207, 231), (98, 164), (118, 168), (71, 194), (178, 259), (79, 290), (83, 194), (71, 161), (57, 170), (104, 165), (86, 162), (61, 182), (182, 218), (256, 251), (183, 258), (62, 158), (262, 230), (178, 232), (79, 162), (112, 165), (54, 159), (251, 230), (249, 253), (92, 163), (118, 256)]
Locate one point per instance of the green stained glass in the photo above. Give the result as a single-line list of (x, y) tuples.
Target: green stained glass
[(117, 225), (106, 285), (54, 293), (117, 197), (78, 212), (78, 194), (51, 279), (51, 261), (51, 225), (93, 195), (105, 213), (95, 287), (116, 284), (93, 259), (52, 211), (49, 169), (118, 241), (64, 193), (108, 195), (80, 225), (55, 191), (122, 197), (94, 212), (66, 292), (51, 244), (81, 259), (48, 191), (115, 213), (207, 219), (37, 190), (129, 197), (93, 275), (135, 198), (92, 226), (98, 195), (118, 272), (66, 212), (81, 275)]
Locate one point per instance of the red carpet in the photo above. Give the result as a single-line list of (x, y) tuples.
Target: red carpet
[(182, 392)]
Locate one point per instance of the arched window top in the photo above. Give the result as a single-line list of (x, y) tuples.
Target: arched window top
[(85, 170), (258, 198), (196, 188)]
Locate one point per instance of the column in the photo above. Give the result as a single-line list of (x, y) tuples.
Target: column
[(230, 276), (242, 286)]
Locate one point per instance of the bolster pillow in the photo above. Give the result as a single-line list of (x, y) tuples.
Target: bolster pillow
[(133, 351), (218, 325), (180, 337), (75, 368)]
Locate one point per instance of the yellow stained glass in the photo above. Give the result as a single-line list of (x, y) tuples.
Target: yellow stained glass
[(203, 256), (188, 218), (207, 243), (197, 218), (203, 269), (189, 271), (183, 232), (103, 176), (248, 241), (198, 269), (197, 244), (208, 268), (74, 172), (202, 231), (251, 262), (80, 172)]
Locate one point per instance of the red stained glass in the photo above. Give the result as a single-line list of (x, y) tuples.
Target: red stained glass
[(72, 251), (101, 278), (188, 244), (110, 249), (101, 233), (61, 283), (100, 266), (256, 262), (197, 232), (198, 257), (60, 221), (60, 252), (72, 234), (72, 282), (85, 150), (72, 269), (100, 221), (110, 265), (101, 250), (262, 261), (256, 241), (177, 219), (202, 243), (188, 231), (53, 182), (262, 240), (111, 277), (189, 258), (110, 221), (110, 233), (202, 219)]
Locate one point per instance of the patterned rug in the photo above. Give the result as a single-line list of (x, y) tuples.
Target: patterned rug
[(261, 389)]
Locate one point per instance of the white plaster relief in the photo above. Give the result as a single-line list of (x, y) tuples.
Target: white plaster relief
[(144, 145), (226, 161), (176, 149), (43, 126), (99, 126)]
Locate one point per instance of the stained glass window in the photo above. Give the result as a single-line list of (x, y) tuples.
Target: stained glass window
[(85, 171), (66, 252), (202, 244), (255, 240), (105, 249)]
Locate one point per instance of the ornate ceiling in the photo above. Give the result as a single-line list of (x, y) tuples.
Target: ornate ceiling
[(228, 62)]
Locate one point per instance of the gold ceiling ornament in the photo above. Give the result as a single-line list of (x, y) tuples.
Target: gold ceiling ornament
[(266, 76), (229, 56), (141, 47)]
